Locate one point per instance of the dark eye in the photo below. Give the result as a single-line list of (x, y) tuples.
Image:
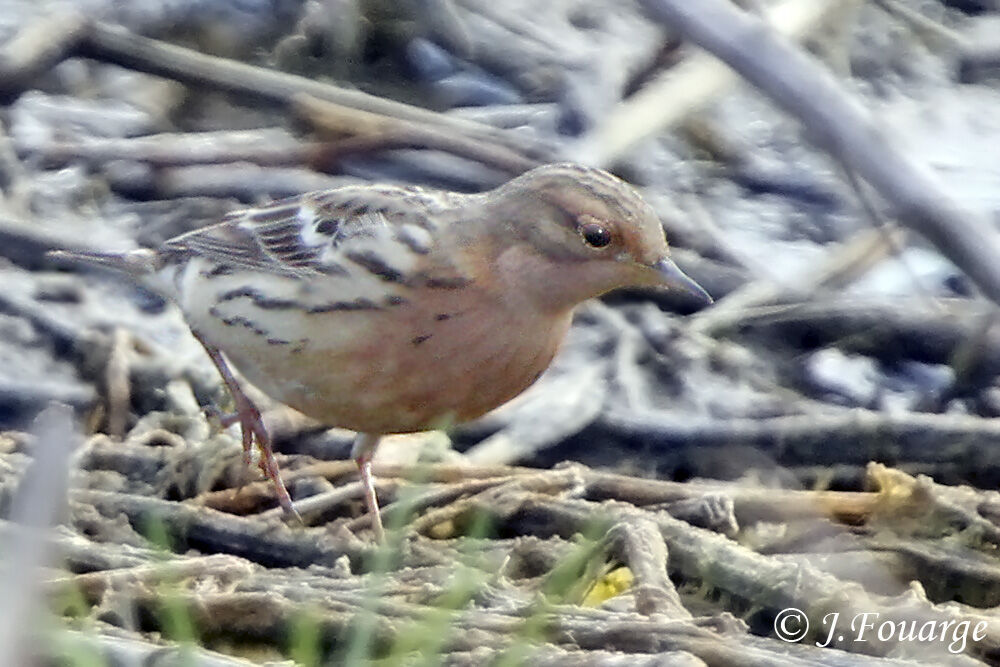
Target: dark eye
[(595, 234)]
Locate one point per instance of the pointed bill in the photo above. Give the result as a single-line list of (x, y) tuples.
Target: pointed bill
[(675, 279)]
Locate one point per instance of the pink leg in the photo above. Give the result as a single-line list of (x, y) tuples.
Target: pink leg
[(251, 425), (361, 452)]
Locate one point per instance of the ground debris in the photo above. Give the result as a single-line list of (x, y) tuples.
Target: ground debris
[(818, 442)]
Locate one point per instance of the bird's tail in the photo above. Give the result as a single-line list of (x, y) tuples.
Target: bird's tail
[(135, 262)]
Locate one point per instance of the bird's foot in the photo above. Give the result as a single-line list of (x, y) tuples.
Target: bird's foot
[(251, 427)]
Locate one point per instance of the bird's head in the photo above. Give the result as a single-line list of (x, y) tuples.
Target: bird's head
[(568, 233)]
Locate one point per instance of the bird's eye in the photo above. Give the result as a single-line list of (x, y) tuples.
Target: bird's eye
[(595, 234)]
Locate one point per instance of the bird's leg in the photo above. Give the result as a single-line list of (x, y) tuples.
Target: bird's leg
[(361, 452), (251, 425)]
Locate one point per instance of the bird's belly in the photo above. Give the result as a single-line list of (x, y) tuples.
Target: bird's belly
[(395, 369)]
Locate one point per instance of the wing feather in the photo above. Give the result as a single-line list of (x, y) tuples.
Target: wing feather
[(288, 238), (322, 233)]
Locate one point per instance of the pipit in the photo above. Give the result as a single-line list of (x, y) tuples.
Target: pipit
[(385, 309)]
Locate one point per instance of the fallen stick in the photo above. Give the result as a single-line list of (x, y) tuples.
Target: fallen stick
[(838, 123), (370, 131), (853, 259), (276, 148), (38, 47), (74, 646), (210, 531), (770, 583), (119, 46), (692, 84), (887, 329), (850, 436)]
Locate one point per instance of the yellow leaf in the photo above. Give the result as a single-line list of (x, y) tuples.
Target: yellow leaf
[(608, 586)]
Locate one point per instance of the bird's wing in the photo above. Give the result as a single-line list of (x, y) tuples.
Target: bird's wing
[(313, 233)]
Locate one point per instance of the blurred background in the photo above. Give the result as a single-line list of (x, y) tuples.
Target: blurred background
[(841, 205)]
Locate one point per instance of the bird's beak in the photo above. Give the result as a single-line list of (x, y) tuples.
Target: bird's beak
[(675, 279)]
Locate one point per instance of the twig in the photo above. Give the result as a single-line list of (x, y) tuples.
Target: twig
[(67, 646), (246, 182), (642, 549), (335, 470), (212, 531), (687, 87), (116, 380), (839, 124), (886, 329), (541, 483), (750, 504), (716, 561), (856, 256), (116, 45), (854, 435), (923, 25), (275, 148), (34, 50), (375, 131), (266, 147), (313, 507), (395, 513), (93, 585)]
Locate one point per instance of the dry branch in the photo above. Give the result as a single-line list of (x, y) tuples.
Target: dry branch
[(852, 260), (909, 328), (215, 532), (72, 645), (725, 565), (116, 45), (685, 89), (847, 436), (36, 49), (838, 123), (372, 131), (470, 573)]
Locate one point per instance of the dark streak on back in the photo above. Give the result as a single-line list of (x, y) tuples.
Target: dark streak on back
[(377, 266)]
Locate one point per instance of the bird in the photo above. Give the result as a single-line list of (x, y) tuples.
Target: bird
[(388, 309)]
